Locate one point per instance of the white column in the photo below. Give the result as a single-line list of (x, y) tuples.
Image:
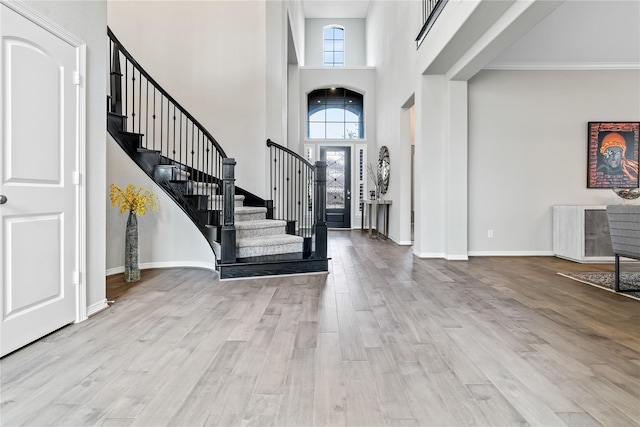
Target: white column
[(441, 169), (429, 167), (456, 160)]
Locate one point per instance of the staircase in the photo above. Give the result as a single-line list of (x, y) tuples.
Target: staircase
[(182, 157)]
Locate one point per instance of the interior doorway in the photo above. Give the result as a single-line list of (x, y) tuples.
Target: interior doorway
[(406, 206), (412, 118)]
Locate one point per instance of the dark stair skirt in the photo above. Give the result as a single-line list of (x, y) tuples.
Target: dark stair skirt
[(181, 186), (147, 159), (116, 122), (130, 142), (197, 202), (273, 268)]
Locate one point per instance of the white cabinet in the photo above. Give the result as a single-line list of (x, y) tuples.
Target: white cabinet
[(581, 234)]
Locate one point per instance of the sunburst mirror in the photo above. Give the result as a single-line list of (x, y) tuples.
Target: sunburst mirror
[(383, 169)]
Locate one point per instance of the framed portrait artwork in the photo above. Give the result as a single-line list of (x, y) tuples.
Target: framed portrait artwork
[(613, 154)]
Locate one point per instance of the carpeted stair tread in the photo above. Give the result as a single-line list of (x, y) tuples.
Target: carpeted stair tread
[(236, 197), (216, 200), (268, 245), (260, 223), (279, 239), (249, 213), (204, 188), (251, 209)]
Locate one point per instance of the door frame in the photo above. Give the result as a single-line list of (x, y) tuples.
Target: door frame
[(348, 212), (353, 172), (79, 176)]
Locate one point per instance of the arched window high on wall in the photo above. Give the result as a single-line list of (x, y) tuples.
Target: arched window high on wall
[(333, 50), (335, 113)]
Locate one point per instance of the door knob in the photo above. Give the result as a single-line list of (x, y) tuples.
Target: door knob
[(3, 199)]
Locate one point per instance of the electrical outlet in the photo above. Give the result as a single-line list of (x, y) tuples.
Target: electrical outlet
[(490, 234)]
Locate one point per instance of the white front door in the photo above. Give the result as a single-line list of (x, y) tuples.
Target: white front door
[(38, 166)]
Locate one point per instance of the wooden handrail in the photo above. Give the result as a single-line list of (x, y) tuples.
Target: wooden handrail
[(270, 143)]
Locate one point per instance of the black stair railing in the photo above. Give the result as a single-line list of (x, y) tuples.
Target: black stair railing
[(165, 126), (179, 154), (430, 11), (294, 183), (291, 183)]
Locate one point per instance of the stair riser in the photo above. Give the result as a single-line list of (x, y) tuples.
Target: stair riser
[(213, 205), (182, 187), (216, 200), (202, 188), (238, 217)]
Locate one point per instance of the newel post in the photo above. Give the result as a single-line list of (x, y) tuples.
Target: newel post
[(116, 82), (320, 210), (228, 236)]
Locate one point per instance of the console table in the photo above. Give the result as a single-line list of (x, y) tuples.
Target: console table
[(581, 233), (369, 206)]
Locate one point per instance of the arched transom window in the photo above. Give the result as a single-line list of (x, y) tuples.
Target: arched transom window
[(335, 113), (333, 50)]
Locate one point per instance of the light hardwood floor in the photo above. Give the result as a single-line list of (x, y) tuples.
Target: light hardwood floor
[(384, 339)]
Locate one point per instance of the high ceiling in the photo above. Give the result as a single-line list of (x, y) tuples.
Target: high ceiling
[(578, 34), (582, 35), (335, 8)]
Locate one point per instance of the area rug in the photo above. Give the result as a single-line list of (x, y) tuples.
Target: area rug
[(606, 280)]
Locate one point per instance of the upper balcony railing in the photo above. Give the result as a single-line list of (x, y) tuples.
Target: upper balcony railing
[(430, 11)]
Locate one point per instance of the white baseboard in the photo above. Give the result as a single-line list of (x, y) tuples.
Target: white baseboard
[(429, 255), (511, 253), (112, 271), (97, 307), (463, 257), (401, 242), (443, 256), (168, 264)]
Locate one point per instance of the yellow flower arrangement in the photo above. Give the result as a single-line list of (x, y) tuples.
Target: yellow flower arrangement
[(132, 199)]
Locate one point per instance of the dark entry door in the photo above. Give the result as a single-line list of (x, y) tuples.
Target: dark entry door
[(338, 185)]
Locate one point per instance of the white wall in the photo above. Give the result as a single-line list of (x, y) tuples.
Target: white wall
[(355, 46), (528, 150), (166, 237), (211, 57), (391, 28), (275, 68), (88, 21), (295, 14)]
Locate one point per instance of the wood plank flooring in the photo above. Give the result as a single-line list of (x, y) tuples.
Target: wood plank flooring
[(384, 339)]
